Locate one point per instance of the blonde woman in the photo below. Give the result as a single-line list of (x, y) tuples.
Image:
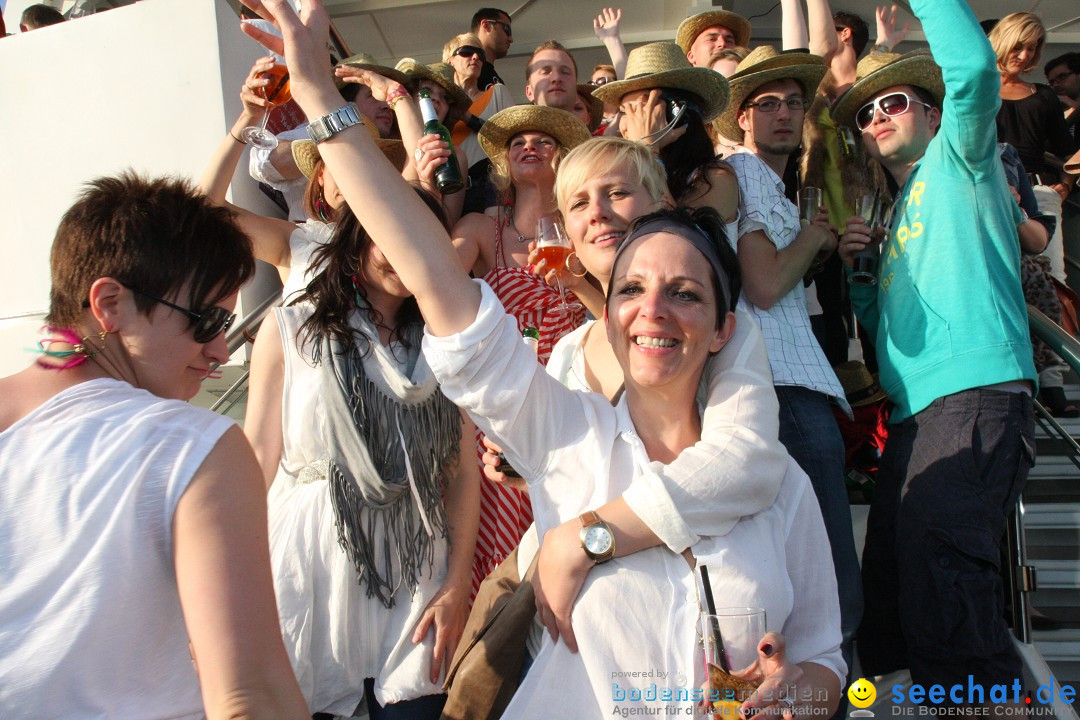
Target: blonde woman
[(1031, 118)]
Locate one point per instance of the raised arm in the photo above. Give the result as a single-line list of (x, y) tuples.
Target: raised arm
[(409, 235), (262, 420), (822, 29), (269, 236), (223, 576), (793, 34), (606, 29)]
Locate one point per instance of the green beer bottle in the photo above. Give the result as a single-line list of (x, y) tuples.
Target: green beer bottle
[(447, 176)]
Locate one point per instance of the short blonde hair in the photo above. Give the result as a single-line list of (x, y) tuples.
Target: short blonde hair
[(500, 164), (458, 41), (1019, 28), (600, 156)]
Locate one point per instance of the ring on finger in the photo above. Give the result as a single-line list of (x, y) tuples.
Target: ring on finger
[(419, 154), (785, 702), (573, 254)]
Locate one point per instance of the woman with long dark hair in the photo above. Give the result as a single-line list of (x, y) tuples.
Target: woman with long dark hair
[(372, 486)]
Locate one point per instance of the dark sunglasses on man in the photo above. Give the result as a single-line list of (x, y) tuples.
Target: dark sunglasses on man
[(890, 105)]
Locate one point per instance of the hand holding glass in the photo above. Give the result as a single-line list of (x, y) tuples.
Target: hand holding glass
[(731, 637), (553, 246), (276, 92), (874, 210)]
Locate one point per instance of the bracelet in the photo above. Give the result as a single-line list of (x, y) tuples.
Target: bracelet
[(475, 124), (236, 138), (397, 95)]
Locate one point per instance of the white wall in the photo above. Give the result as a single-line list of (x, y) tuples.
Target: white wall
[(152, 86)]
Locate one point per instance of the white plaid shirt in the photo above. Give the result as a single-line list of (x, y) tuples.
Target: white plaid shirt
[(794, 352)]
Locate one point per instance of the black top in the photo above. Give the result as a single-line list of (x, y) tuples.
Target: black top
[(1034, 125), (489, 77)]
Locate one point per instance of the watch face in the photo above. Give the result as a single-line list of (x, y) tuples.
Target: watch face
[(597, 540)]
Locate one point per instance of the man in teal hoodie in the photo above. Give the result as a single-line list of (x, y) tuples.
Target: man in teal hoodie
[(950, 328)]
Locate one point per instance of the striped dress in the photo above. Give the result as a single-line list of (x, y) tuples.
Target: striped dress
[(505, 513)]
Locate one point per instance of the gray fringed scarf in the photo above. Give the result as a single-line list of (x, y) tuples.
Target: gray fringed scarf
[(391, 439)]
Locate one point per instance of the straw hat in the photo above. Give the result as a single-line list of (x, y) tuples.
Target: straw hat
[(880, 71), (764, 65), (368, 62), (860, 387), (694, 25), (305, 153), (1072, 165), (664, 65), (505, 124), (443, 75), (596, 107)]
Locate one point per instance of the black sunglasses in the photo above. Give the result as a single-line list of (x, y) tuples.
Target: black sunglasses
[(505, 27), (891, 105), (468, 51), (206, 325)]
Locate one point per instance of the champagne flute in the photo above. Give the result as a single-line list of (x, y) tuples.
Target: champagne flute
[(553, 245), (809, 204), (276, 92), (731, 637)]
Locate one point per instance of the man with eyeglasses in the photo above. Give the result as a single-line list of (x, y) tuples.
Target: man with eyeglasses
[(493, 28), (1063, 76), (770, 92), (949, 324)]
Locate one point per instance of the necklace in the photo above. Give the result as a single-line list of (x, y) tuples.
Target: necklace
[(510, 221)]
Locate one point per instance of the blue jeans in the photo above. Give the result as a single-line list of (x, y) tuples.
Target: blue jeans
[(949, 479), (809, 432)]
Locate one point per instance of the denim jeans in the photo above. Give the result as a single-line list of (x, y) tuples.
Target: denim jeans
[(949, 478), (427, 707), (809, 432)]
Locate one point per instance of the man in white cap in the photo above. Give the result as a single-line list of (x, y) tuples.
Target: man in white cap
[(949, 325), (699, 35)]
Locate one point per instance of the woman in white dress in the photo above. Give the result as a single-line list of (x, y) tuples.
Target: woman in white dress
[(372, 511), (667, 310)]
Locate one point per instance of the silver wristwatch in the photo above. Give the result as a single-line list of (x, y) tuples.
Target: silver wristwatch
[(329, 125)]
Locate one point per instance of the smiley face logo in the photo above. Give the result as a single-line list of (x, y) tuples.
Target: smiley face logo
[(862, 693)]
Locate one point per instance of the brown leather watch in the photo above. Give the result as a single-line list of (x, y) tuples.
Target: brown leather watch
[(597, 540)]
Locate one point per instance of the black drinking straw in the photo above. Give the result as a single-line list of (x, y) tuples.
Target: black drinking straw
[(710, 606)]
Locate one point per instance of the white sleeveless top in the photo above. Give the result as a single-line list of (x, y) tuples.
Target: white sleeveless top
[(90, 619)]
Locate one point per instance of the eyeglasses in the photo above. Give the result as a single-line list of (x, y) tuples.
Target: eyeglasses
[(468, 51), (890, 105), (771, 105), (206, 325), (1060, 77), (505, 27)]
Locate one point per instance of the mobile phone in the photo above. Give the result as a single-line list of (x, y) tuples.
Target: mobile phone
[(506, 468), (676, 109)]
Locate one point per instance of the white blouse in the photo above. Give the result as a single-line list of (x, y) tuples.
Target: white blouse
[(637, 613)]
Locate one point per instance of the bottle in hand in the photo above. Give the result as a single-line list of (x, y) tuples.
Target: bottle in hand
[(448, 177)]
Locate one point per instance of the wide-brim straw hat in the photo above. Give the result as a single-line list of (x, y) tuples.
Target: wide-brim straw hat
[(880, 71), (664, 65), (764, 65), (305, 153), (595, 105), (694, 25), (443, 75), (565, 127), (860, 387), (368, 62)]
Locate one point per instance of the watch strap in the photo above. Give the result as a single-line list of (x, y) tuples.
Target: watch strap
[(323, 128)]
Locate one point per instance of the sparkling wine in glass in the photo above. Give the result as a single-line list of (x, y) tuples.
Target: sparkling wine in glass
[(553, 245), (276, 92)]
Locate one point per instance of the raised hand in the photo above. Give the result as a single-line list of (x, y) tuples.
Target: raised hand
[(381, 86), (606, 24), (887, 34), (253, 101)]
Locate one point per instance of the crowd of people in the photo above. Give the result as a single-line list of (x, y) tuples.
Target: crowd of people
[(677, 436)]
